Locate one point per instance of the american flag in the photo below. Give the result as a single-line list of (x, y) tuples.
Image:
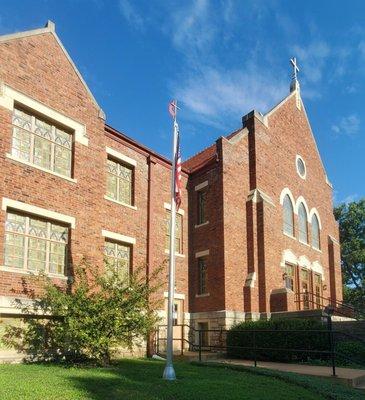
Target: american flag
[(173, 111), (177, 168)]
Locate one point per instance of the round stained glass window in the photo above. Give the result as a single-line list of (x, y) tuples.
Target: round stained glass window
[(301, 167)]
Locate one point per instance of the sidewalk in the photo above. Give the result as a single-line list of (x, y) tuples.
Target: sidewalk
[(352, 377)]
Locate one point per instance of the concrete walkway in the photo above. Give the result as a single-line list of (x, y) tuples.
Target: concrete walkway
[(350, 376)]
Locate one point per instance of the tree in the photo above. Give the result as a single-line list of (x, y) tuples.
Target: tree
[(351, 219), (89, 319)]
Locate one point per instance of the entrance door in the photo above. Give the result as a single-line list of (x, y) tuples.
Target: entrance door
[(203, 327), (178, 320), (317, 291), (304, 284)]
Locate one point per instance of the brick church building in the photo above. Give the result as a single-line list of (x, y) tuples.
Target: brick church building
[(255, 232)]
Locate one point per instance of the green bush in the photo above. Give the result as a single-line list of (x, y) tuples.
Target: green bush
[(87, 320), (350, 352), (273, 345)]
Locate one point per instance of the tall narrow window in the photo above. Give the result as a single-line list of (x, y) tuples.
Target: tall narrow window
[(289, 276), (41, 143), (316, 243), (317, 290), (288, 216), (202, 198), (303, 224), (119, 182), (178, 232), (118, 256), (35, 244), (202, 281)]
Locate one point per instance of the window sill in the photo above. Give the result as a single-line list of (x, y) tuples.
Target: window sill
[(23, 272), (176, 254), (11, 157), (289, 236), (202, 295), (202, 224), (120, 202), (305, 244), (315, 248)]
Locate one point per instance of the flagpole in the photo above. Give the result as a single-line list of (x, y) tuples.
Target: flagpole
[(169, 372)]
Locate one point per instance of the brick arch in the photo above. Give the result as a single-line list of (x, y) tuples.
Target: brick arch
[(312, 212), (300, 200), (284, 192)]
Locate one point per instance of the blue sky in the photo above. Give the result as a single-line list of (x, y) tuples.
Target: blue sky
[(220, 59)]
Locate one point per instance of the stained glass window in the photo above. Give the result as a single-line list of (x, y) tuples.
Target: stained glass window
[(288, 216), (315, 233), (178, 232), (35, 244), (118, 256), (41, 143), (202, 283), (119, 182), (303, 225), (202, 198)]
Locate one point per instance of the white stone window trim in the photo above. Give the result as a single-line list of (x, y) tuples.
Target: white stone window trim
[(39, 211), (167, 206), (312, 212), (305, 244), (202, 295), (289, 236), (118, 237), (177, 296), (202, 224), (25, 272), (284, 192), (201, 186), (29, 164), (176, 254), (202, 253), (106, 197), (120, 157), (8, 96), (298, 157)]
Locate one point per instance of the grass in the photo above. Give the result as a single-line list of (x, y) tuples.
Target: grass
[(141, 379), (324, 387)]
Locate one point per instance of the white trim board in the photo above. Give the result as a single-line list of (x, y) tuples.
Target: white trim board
[(8, 96), (42, 212), (118, 237)]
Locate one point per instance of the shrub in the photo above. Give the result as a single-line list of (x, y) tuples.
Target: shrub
[(88, 320), (273, 345), (350, 352)]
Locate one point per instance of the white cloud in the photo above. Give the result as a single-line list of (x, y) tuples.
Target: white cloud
[(217, 94), (131, 15), (313, 59), (349, 125)]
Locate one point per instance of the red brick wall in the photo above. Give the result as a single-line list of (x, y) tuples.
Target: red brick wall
[(31, 67), (243, 235)]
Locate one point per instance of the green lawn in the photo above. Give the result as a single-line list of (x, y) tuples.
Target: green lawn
[(141, 379)]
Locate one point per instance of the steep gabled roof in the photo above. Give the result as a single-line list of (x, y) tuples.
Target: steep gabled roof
[(51, 28), (205, 156)]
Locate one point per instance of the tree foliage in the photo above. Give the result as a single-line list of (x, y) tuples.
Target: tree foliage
[(351, 219), (88, 320)]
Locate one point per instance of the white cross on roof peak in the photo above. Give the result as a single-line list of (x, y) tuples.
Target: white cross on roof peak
[(293, 62)]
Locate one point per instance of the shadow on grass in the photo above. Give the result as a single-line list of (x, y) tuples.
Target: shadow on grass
[(142, 379)]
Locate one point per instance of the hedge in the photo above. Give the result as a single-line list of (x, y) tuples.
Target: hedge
[(268, 336)]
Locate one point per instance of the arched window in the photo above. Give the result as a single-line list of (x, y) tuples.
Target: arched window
[(315, 232), (288, 216), (303, 226)]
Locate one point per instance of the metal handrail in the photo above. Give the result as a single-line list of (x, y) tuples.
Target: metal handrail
[(329, 331), (334, 303)]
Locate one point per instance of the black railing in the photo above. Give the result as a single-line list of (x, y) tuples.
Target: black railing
[(195, 341), (313, 301)]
